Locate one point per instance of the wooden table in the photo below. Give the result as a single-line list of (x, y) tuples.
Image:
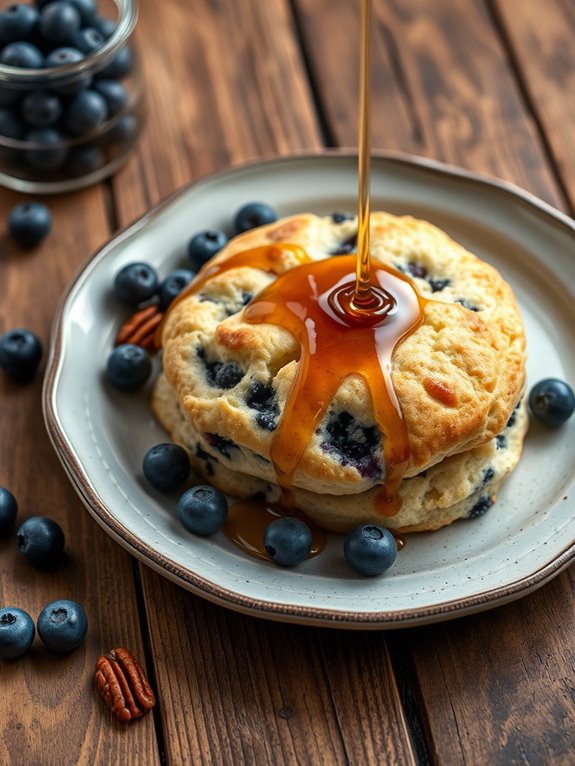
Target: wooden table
[(485, 84)]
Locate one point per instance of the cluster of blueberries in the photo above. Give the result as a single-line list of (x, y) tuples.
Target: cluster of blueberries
[(51, 34), (62, 624)]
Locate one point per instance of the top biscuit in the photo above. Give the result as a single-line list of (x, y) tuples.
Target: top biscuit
[(232, 378)]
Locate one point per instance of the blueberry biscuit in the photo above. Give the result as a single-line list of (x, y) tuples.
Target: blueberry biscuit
[(226, 381)]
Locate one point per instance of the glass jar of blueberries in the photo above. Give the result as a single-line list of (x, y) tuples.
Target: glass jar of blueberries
[(71, 92)]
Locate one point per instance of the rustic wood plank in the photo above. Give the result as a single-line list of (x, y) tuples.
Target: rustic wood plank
[(231, 89), (49, 712), (542, 43), (234, 689), (442, 86)]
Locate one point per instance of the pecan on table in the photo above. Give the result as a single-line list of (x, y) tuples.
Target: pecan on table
[(140, 328), (122, 684)]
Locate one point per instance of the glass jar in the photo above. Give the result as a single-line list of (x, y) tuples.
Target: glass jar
[(73, 122)]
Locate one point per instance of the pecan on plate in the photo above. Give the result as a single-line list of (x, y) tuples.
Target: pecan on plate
[(122, 684), (140, 328)]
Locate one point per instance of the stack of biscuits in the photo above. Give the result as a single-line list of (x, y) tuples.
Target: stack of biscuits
[(459, 379)]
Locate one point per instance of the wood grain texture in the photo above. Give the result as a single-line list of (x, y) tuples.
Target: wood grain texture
[(49, 713), (225, 84), (542, 46), (442, 86)]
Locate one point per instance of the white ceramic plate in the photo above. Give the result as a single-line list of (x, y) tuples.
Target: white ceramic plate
[(101, 435)]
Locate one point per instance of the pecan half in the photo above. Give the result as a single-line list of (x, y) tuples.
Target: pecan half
[(140, 328), (122, 684)]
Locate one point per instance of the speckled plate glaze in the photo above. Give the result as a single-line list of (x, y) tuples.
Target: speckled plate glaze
[(101, 434)]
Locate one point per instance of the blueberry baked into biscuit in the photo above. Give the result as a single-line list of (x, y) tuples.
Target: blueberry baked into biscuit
[(458, 380)]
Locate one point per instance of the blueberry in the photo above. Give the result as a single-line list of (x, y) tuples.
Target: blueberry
[(135, 283), (120, 66), (40, 108), (203, 510), (128, 367), (353, 444), (287, 541), (10, 124), (173, 285), (253, 215), (104, 26), (437, 285), (166, 466), (16, 632), (20, 354), (88, 40), (64, 56), (46, 151), (68, 85), (122, 131), (467, 304), (29, 223), (262, 398), (370, 550), (481, 506), (417, 269), (84, 159), (87, 10), (219, 374), (62, 625), (346, 247), (8, 511), (552, 401), (41, 541), (204, 245), (18, 23), (114, 93), (221, 444), (22, 55), (59, 22), (85, 112), (339, 217)]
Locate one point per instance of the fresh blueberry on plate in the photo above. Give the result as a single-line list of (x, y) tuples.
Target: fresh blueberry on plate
[(552, 401), (204, 245), (370, 549), (128, 367), (59, 22), (20, 354), (85, 112), (287, 541), (136, 283), (166, 466), (173, 285), (8, 511), (29, 223), (16, 632), (18, 22), (22, 55), (252, 215), (62, 625), (203, 510), (41, 541)]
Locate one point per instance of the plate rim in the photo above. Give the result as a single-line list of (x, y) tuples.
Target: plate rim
[(204, 587)]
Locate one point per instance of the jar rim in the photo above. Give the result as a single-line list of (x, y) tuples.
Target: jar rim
[(127, 21)]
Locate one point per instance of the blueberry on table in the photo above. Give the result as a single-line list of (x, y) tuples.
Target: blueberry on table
[(128, 367), (552, 401), (59, 22), (173, 285), (253, 215), (10, 124), (204, 245), (29, 223), (8, 511), (41, 541), (20, 354), (287, 541), (166, 466), (62, 625), (16, 632), (18, 23), (370, 550), (135, 283), (41, 108), (88, 40), (45, 150), (203, 510), (84, 113), (22, 55)]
